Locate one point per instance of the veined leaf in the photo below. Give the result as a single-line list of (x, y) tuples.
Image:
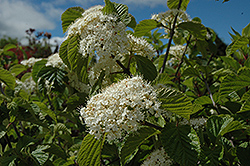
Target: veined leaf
[(181, 143), (145, 26), (109, 7), (56, 150), (146, 67), (246, 31), (190, 71), (212, 156), (61, 127), (196, 29), (231, 62), (122, 12), (23, 142), (73, 51), (40, 155), (17, 69), (63, 52), (245, 107), (133, 142), (90, 151), (69, 16), (45, 109), (7, 78), (175, 102), (173, 4), (36, 68), (235, 82), (236, 45)]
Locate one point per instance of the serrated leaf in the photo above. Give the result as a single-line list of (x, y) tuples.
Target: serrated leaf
[(173, 4), (7, 78), (37, 67), (63, 52), (235, 82), (146, 67), (245, 106), (122, 12), (61, 127), (181, 143), (175, 102), (90, 151), (236, 45), (231, 62), (212, 156), (73, 51), (17, 69), (134, 141), (40, 155), (246, 31), (196, 29), (23, 142), (190, 71), (203, 100), (69, 16), (145, 26), (45, 109), (75, 100)]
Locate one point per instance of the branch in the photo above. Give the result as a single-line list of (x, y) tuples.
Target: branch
[(170, 40), (125, 70)]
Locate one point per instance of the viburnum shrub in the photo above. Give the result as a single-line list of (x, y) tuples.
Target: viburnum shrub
[(116, 94)]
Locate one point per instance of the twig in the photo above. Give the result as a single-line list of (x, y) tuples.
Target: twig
[(17, 133), (125, 70), (170, 40), (151, 125)]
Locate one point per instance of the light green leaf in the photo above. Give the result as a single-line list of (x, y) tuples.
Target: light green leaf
[(40, 155), (236, 45), (63, 52), (196, 29), (231, 62), (235, 82), (246, 106), (45, 109), (109, 7), (90, 151), (69, 16), (145, 26), (173, 4), (7, 78), (246, 31), (203, 100), (175, 102), (73, 51), (8, 47), (181, 143), (146, 67), (17, 69), (134, 141)]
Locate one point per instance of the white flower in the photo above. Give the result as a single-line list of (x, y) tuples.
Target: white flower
[(195, 122), (119, 107), (28, 85), (54, 60), (158, 157), (178, 50), (75, 83), (30, 62), (140, 46)]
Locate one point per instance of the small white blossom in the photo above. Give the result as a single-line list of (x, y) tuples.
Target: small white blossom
[(195, 122), (119, 107), (54, 60), (30, 62), (28, 85), (178, 50), (158, 157)]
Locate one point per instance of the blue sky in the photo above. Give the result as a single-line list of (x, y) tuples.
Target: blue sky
[(44, 15)]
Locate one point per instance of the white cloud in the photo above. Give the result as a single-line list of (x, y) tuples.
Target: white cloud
[(19, 15), (143, 3)]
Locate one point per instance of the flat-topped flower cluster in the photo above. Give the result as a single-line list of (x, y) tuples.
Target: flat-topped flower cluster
[(119, 108)]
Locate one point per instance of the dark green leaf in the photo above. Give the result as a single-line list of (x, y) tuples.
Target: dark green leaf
[(243, 155), (90, 151), (146, 67), (181, 143), (145, 26), (175, 102), (36, 68), (45, 109), (7, 160), (56, 150), (212, 156), (173, 4), (61, 127), (134, 141), (190, 71), (23, 142), (7, 78), (196, 29), (231, 62), (69, 16), (75, 100), (132, 23)]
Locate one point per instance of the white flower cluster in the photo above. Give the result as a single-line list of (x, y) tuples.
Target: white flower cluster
[(158, 157), (54, 60), (140, 46), (178, 50), (167, 18), (30, 62), (75, 83), (195, 122), (28, 85), (119, 107)]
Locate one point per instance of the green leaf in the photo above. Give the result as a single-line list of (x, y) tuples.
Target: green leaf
[(132, 23), (63, 52), (61, 127), (235, 82), (175, 102), (173, 4), (75, 100), (122, 12), (196, 29), (45, 109), (245, 107), (247, 63), (56, 150), (146, 67), (69, 16), (231, 62), (40, 155), (236, 45), (243, 155), (134, 141), (7, 78), (36, 68), (145, 26), (24, 142), (90, 151), (17, 69), (7, 160), (73, 51), (190, 71), (212, 156), (246, 31), (203, 100), (181, 143), (8, 47), (109, 7)]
